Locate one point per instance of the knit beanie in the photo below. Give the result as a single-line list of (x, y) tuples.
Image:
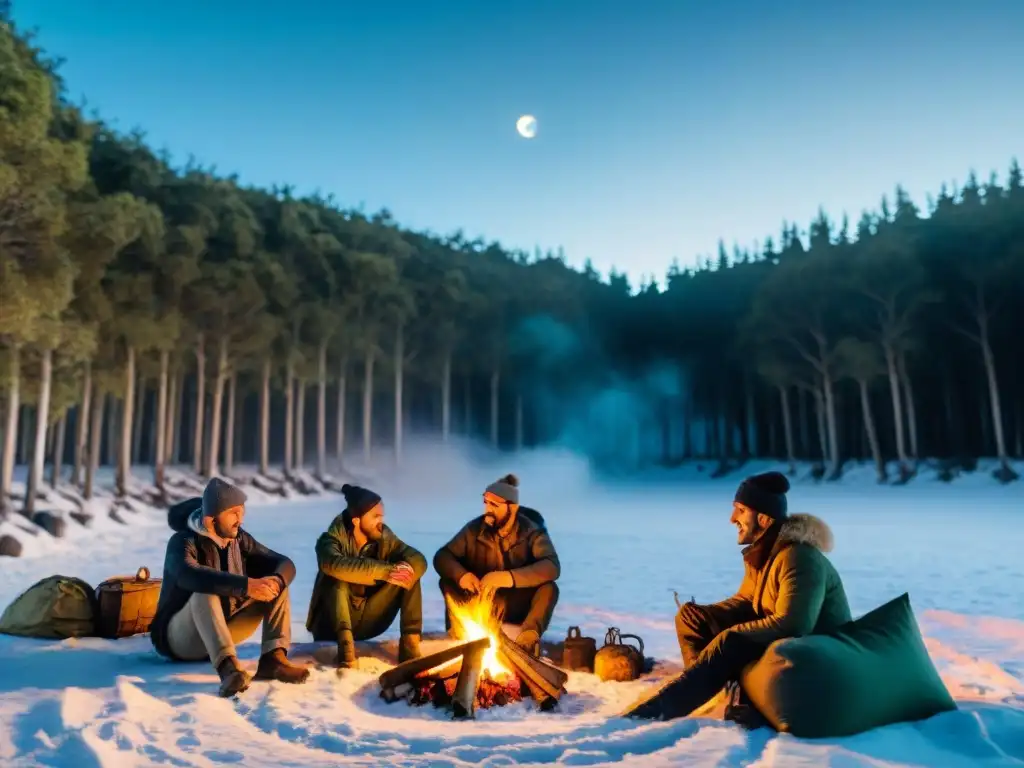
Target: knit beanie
[(506, 488), (765, 493), (358, 500), (220, 496)]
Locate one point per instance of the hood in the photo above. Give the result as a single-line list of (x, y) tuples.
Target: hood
[(178, 514), (807, 529), (533, 515)]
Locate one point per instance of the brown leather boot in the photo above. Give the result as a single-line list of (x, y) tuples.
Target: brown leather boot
[(529, 641), (409, 647), (275, 666), (346, 650), (233, 679)]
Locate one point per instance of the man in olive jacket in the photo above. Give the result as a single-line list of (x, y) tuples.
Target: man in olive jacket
[(789, 589), (219, 586), (367, 576), (507, 553)]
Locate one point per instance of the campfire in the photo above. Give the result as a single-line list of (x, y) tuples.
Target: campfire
[(483, 669)]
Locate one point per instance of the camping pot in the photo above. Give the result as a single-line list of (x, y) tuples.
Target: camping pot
[(618, 661), (578, 651)]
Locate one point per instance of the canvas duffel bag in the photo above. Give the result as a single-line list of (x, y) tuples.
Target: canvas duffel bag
[(126, 604), (56, 608)]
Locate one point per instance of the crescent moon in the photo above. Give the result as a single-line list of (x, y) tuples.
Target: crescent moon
[(527, 126)]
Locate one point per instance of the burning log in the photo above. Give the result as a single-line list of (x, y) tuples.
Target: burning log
[(405, 672), (546, 683), (468, 684)]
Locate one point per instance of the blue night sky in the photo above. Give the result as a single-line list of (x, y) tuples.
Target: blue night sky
[(663, 124)]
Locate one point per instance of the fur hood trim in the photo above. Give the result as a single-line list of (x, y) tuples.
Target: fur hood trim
[(807, 529)]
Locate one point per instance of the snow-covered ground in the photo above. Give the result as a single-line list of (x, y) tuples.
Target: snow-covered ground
[(956, 548)]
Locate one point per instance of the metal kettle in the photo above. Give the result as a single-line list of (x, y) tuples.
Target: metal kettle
[(617, 660)]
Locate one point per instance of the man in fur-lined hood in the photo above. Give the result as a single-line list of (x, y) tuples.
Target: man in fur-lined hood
[(789, 589)]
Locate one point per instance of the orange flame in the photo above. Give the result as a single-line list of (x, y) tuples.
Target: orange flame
[(475, 620)]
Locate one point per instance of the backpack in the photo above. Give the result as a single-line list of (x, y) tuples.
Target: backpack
[(55, 608)]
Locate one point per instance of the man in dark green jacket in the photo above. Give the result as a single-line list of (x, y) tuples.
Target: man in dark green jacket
[(367, 577), (789, 589), (506, 553), (219, 586)]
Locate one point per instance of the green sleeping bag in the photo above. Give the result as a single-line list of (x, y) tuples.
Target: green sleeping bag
[(871, 672)]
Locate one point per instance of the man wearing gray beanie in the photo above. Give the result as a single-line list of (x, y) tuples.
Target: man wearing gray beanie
[(220, 585), (505, 554), (789, 589)]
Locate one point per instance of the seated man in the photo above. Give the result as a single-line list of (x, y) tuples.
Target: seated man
[(507, 553), (367, 577), (789, 589), (219, 585)]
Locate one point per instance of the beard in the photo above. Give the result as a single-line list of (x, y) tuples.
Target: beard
[(229, 532), (374, 533)]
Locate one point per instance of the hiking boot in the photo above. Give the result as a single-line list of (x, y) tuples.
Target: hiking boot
[(346, 649), (409, 647), (233, 679), (529, 641), (275, 666)]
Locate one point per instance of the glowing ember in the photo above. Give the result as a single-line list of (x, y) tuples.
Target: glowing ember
[(475, 620)]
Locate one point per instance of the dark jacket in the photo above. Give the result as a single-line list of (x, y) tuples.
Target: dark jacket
[(527, 552), (793, 590), (194, 563), (338, 558)]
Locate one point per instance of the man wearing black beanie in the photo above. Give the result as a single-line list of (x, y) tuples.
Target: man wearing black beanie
[(789, 589), (367, 576)]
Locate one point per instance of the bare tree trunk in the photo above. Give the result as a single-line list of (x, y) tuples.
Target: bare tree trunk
[(58, 450), (819, 409), (35, 477), (787, 428), (897, 408), (217, 415), (869, 426), (197, 436), (82, 426), (99, 400), (229, 429), (368, 405), (339, 434), (139, 409), (174, 416), (519, 423), (495, 382), (265, 417), (160, 459), (11, 431), (289, 417), (124, 467), (446, 397), (321, 414), (110, 423), (399, 364), (300, 424), (467, 408), (833, 434), (993, 398), (908, 396), (27, 427)]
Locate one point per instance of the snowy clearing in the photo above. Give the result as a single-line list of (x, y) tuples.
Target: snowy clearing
[(955, 548)]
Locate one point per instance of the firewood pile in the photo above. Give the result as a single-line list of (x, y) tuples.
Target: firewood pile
[(455, 678)]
